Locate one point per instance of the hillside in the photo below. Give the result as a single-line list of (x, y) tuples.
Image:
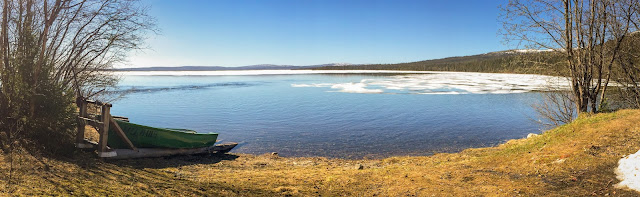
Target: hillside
[(577, 159), (512, 61)]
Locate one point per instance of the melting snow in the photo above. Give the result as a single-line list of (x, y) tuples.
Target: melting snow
[(414, 82), (628, 172), (256, 72), (449, 83), (355, 88)]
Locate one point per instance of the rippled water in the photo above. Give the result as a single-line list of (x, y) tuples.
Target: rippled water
[(346, 114)]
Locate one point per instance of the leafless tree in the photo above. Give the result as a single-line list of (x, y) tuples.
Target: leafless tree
[(628, 76), (70, 42), (53, 50), (556, 108), (588, 33)]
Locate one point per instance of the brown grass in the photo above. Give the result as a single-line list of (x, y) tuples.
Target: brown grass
[(577, 159)]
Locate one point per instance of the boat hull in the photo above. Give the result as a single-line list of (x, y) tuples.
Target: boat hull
[(150, 137)]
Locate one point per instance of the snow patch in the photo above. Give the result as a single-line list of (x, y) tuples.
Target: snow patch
[(628, 172), (528, 51), (355, 88)]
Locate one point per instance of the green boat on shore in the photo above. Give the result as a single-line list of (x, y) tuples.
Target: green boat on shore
[(150, 137)]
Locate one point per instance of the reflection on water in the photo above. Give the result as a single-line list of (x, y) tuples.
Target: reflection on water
[(283, 112), (148, 89)]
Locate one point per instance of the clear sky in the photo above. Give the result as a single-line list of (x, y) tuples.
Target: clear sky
[(310, 32)]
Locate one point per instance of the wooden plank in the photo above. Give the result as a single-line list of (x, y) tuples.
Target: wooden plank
[(162, 152), (90, 120), (98, 103), (224, 148), (121, 118), (104, 129), (96, 125), (120, 133)]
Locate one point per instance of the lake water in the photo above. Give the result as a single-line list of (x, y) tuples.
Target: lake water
[(344, 114)]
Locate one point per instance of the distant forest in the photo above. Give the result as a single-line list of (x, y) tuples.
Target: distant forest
[(537, 62)]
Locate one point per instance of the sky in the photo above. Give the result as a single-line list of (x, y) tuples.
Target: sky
[(311, 32)]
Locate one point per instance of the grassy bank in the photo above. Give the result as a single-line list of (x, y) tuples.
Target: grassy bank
[(575, 159)]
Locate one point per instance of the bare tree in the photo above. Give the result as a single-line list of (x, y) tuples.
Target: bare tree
[(588, 33), (628, 76), (71, 41), (51, 50), (556, 108)]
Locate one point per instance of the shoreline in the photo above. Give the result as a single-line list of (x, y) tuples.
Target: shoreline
[(297, 72), (576, 159)]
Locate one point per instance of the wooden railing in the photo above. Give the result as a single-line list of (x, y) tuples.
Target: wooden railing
[(101, 122)]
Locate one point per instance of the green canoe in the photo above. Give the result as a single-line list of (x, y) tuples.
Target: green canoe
[(149, 137)]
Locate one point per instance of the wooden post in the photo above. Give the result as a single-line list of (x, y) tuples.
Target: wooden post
[(102, 126), (104, 132), (82, 123), (82, 105)]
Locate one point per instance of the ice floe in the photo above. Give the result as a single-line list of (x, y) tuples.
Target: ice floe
[(410, 82), (256, 72), (355, 88), (449, 83)]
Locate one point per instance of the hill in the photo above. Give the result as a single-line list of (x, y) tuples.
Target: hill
[(511, 61)]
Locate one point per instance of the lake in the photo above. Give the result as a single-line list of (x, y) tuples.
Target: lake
[(342, 114)]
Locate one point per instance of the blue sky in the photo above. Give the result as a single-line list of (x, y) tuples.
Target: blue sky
[(309, 32)]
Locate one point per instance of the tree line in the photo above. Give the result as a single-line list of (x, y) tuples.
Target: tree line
[(495, 62)]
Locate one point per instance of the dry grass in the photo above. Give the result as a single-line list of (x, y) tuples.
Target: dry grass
[(575, 160)]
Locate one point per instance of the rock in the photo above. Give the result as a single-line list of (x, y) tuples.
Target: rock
[(532, 135), (559, 161)]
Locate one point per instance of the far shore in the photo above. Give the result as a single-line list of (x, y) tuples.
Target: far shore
[(288, 72)]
